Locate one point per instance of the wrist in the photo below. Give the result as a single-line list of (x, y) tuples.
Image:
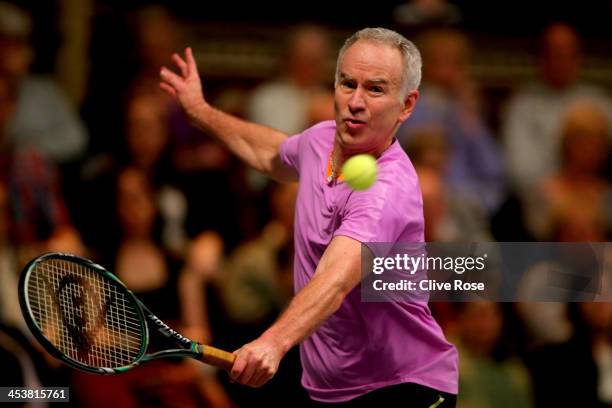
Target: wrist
[(198, 112), (280, 341)]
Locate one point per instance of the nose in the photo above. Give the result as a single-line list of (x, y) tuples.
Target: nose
[(356, 103)]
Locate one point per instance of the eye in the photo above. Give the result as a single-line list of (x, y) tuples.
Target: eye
[(348, 84), (377, 89)]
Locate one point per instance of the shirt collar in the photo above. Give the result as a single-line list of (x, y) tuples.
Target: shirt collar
[(328, 171)]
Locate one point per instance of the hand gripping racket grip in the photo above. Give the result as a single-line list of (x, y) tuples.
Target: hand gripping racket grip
[(216, 357)]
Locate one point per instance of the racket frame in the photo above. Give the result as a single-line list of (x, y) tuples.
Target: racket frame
[(146, 317)]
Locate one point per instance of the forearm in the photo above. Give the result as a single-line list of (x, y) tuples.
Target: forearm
[(306, 312), (337, 274), (256, 145)]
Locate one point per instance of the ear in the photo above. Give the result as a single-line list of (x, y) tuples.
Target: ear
[(409, 104)]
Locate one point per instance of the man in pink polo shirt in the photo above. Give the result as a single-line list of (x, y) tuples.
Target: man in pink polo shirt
[(353, 353)]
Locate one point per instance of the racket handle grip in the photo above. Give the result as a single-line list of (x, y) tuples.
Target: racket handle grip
[(216, 357)]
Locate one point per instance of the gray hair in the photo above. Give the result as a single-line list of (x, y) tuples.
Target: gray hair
[(411, 74)]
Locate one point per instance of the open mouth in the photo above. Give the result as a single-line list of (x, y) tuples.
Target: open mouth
[(354, 123)]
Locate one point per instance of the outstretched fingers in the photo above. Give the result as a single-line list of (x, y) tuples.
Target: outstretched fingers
[(181, 64), (167, 89), (183, 83), (191, 64), (171, 78)]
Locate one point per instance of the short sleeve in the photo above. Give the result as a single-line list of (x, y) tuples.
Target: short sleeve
[(361, 217), (374, 216), (290, 152)]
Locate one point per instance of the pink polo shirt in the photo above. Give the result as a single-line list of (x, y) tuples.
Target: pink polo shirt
[(363, 346)]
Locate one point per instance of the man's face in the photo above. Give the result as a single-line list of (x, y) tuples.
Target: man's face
[(368, 97), (560, 58), (15, 58)]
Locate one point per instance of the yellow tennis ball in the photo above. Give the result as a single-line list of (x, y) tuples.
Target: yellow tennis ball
[(360, 172)]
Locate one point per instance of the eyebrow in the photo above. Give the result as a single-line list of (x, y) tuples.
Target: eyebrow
[(377, 81), (373, 81)]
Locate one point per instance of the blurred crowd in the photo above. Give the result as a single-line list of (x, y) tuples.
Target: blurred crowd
[(120, 177)]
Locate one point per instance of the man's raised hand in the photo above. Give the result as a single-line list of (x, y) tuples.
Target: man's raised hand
[(185, 87)]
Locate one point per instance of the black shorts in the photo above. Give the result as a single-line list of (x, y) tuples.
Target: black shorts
[(406, 395)]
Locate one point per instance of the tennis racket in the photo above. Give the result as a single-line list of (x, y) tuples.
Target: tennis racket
[(87, 318)]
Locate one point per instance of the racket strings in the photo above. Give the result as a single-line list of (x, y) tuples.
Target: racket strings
[(84, 315)]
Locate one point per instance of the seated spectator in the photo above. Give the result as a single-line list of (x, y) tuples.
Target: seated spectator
[(245, 293), (37, 209), (44, 118), (144, 267), (10, 312), (533, 123), (299, 97), (420, 14), (573, 203), (449, 105), (145, 143), (487, 377), (23, 365), (257, 282), (449, 216), (140, 263), (203, 265), (584, 378), (161, 384)]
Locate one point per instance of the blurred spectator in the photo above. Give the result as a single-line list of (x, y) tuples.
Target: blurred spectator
[(299, 98), (487, 377), (542, 305), (161, 384), (449, 217), (21, 365), (533, 120), (140, 263), (157, 35), (449, 105), (159, 283), (147, 132), (37, 210), (255, 284), (584, 377), (574, 203), (245, 294), (185, 152), (213, 186), (192, 150), (559, 274), (144, 267), (43, 118), (544, 322), (203, 265), (145, 149), (419, 14), (202, 312), (10, 313)]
